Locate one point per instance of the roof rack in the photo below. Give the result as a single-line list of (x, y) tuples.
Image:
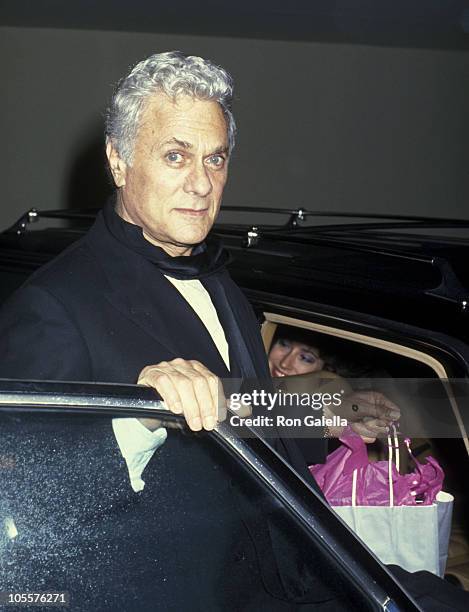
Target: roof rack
[(33, 215), (450, 288), (301, 214), (296, 218)]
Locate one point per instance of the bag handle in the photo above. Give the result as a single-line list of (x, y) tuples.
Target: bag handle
[(417, 465), (393, 444), (354, 487), (391, 489)]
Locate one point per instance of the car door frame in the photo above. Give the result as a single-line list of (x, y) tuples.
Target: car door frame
[(302, 503)]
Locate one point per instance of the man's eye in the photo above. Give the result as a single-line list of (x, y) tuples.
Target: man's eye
[(174, 157), (216, 160)]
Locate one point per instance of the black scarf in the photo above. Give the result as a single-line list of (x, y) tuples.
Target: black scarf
[(207, 258), (207, 263)]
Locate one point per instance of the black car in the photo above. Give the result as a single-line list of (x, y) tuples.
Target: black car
[(394, 290)]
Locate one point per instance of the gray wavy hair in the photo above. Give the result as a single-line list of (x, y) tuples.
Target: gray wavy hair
[(172, 73)]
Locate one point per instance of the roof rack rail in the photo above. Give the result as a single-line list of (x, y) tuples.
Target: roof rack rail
[(301, 214), (33, 215), (296, 217)]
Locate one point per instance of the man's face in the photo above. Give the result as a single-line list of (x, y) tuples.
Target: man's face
[(173, 188)]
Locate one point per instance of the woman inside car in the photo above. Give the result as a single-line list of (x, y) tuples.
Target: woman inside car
[(296, 351)]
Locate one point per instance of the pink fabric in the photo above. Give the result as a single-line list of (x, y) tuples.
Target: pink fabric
[(335, 477)]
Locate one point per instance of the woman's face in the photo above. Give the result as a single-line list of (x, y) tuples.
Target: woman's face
[(288, 358)]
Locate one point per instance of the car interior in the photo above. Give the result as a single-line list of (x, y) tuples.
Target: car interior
[(429, 412)]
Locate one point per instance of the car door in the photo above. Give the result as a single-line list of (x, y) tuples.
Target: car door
[(221, 523)]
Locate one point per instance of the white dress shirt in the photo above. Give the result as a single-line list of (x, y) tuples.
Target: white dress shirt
[(137, 443)]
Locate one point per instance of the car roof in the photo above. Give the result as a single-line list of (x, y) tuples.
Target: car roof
[(406, 268)]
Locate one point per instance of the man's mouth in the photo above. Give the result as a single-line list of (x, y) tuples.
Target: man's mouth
[(192, 212)]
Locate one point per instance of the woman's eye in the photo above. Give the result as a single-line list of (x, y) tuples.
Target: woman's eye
[(174, 157), (307, 358), (283, 342)]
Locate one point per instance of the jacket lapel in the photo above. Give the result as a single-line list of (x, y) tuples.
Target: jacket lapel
[(240, 327)]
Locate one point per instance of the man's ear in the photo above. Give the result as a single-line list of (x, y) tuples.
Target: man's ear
[(117, 166)]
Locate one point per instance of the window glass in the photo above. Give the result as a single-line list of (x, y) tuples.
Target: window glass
[(203, 534)]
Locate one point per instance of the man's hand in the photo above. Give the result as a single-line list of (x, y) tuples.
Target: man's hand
[(188, 388), (370, 413)]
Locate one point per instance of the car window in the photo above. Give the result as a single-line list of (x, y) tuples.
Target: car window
[(434, 412), (202, 534), (429, 405)]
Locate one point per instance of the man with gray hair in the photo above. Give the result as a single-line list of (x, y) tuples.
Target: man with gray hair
[(169, 134), (145, 297), (170, 181)]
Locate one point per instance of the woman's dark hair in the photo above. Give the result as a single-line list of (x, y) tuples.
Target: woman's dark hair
[(343, 357)]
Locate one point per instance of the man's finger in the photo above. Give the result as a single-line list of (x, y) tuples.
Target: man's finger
[(205, 400), (189, 388), (216, 390), (222, 408), (162, 381), (190, 405)]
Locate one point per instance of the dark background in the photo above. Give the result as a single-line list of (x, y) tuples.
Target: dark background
[(340, 105)]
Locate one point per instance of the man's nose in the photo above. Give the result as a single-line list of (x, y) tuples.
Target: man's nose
[(198, 181)]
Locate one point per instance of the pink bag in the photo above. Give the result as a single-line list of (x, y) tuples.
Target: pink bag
[(348, 478)]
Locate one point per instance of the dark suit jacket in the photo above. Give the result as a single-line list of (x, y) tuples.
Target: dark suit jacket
[(101, 312)]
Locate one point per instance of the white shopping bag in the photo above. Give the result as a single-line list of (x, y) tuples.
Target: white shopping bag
[(413, 537)]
